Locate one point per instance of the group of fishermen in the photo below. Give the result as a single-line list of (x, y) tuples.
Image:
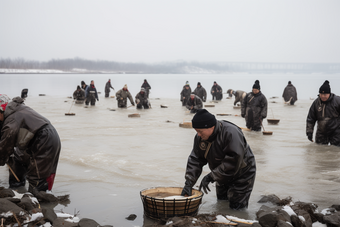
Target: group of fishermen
[(89, 95), (194, 100), (30, 145), (222, 145)]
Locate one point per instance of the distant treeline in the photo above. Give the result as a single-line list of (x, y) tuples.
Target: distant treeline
[(111, 66), (101, 66)]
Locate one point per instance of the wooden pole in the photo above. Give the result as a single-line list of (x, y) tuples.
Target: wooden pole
[(13, 173), (71, 106)]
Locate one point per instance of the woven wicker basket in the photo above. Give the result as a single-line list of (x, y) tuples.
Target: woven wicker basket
[(157, 206)]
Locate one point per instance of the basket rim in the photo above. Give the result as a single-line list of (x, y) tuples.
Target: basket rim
[(184, 199)]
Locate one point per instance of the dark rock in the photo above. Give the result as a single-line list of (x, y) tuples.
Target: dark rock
[(319, 217), (6, 192), (270, 198), (308, 221), (13, 200), (266, 209), (296, 222), (6, 205), (337, 207), (49, 214), (242, 225), (256, 224), (332, 210), (131, 217), (283, 216), (285, 201), (64, 199), (43, 196), (332, 220), (27, 204), (268, 219), (86, 222), (60, 222), (308, 207), (282, 223)]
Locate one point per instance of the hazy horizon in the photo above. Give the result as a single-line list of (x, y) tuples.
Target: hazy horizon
[(153, 31)]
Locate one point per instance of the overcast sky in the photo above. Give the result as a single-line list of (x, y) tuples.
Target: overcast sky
[(171, 30)]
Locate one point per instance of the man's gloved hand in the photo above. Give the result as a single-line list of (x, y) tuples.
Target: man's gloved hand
[(187, 189), (310, 137), (98, 100), (243, 115), (205, 182), (133, 104)]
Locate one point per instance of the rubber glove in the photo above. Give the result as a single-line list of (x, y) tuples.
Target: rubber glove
[(205, 182), (187, 189), (310, 136)]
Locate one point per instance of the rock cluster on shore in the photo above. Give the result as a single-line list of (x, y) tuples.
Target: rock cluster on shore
[(275, 213), (25, 210)]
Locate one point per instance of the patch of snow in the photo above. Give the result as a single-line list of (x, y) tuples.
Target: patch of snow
[(289, 210), (47, 224), (64, 215), (302, 218), (169, 222), (6, 215), (325, 211), (240, 219), (73, 219), (36, 216), (17, 195), (194, 69), (318, 224), (220, 218), (289, 223), (34, 200)]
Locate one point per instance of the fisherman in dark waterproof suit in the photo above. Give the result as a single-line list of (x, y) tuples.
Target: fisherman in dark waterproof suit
[(223, 146), (290, 94), (254, 108), (200, 92), (29, 144), (326, 111), (194, 103), (107, 88), (91, 94)]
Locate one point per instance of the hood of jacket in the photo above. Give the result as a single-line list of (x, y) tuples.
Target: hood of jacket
[(13, 106)]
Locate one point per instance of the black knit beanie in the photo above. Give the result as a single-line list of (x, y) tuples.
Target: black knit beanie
[(203, 119), (82, 83), (289, 82), (78, 87), (199, 83), (325, 88), (257, 85)]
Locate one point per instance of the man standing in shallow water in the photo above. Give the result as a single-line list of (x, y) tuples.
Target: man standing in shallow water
[(326, 111), (223, 146)]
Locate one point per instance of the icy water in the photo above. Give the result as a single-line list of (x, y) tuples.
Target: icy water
[(107, 158)]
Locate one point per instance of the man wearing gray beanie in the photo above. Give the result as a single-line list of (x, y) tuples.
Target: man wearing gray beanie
[(223, 146), (326, 111)]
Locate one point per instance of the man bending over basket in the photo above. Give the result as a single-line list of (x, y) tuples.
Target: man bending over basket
[(223, 146)]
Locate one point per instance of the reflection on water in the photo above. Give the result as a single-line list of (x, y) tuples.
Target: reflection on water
[(108, 158)]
